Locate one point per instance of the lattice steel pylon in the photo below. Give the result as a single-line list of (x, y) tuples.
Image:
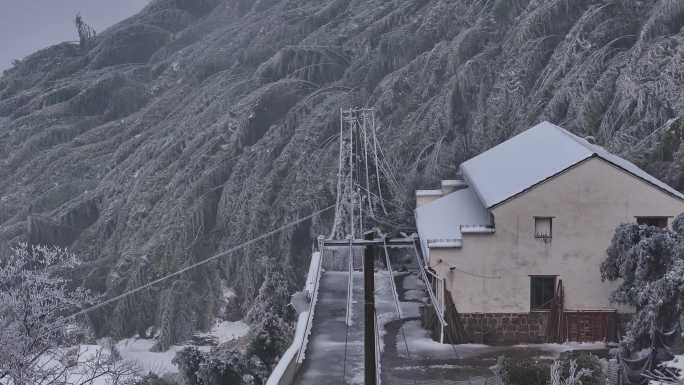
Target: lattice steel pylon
[(358, 177)]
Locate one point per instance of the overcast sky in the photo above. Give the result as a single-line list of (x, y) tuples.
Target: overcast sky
[(29, 25)]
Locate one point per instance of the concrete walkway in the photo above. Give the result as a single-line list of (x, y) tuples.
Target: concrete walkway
[(325, 358)]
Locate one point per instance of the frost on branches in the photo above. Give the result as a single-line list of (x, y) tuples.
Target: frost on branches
[(650, 262), (35, 329)]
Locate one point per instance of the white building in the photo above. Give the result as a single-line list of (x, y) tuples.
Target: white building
[(532, 215)]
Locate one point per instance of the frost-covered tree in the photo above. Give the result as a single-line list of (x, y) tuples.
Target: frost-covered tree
[(269, 338), (86, 33), (271, 318), (650, 263), (35, 329), (274, 296)]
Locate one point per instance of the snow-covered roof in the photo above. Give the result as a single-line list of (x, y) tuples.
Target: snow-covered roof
[(440, 221), (534, 156)]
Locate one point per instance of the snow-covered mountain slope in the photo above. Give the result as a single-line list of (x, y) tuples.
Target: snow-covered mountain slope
[(196, 125)]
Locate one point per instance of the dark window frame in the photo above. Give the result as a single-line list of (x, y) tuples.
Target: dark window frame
[(537, 236), (651, 221), (546, 306)]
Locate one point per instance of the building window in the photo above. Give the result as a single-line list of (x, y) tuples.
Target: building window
[(653, 221), (543, 227), (542, 291)]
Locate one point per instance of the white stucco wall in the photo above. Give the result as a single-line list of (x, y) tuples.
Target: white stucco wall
[(424, 197), (587, 203)]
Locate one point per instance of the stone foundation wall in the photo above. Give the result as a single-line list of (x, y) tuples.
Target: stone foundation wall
[(505, 328), (516, 328)]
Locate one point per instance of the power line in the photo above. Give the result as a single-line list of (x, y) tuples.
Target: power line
[(200, 263)]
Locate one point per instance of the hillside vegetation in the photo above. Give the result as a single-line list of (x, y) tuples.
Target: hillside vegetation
[(199, 124)]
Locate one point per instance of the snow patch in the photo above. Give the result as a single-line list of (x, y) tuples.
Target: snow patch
[(566, 347), (225, 331), (676, 363), (137, 350)]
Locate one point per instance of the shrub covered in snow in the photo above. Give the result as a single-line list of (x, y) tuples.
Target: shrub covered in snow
[(188, 362), (224, 365), (35, 303), (650, 263), (586, 364), (583, 369)]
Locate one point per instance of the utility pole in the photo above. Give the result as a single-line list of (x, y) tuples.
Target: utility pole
[(369, 294)]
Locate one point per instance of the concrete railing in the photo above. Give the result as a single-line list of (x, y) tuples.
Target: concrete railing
[(288, 365), (286, 370)]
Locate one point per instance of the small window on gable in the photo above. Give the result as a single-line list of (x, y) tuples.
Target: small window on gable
[(543, 227), (653, 221), (542, 292)]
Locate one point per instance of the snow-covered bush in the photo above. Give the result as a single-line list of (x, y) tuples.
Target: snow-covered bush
[(269, 338), (650, 263), (584, 369), (272, 318), (574, 375), (587, 363), (35, 328), (224, 365)]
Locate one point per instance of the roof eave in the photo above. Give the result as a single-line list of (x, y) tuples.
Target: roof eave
[(469, 181)]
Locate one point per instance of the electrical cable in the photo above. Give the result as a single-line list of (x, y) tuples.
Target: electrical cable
[(195, 265)]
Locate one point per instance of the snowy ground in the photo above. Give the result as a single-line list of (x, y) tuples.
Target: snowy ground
[(136, 352), (677, 363)]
